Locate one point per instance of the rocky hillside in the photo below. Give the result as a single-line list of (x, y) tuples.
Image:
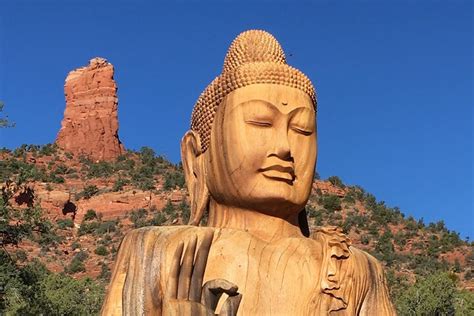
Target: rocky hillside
[(63, 217)]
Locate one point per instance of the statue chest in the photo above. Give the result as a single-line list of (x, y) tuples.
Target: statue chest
[(278, 278)]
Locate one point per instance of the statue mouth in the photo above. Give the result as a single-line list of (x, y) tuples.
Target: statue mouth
[(279, 172)]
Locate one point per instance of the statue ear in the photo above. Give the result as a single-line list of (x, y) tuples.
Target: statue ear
[(194, 172)]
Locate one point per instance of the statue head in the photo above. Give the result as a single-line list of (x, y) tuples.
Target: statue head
[(252, 142)]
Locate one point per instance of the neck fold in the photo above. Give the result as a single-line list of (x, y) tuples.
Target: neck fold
[(265, 227)]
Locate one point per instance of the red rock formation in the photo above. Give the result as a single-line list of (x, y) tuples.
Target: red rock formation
[(327, 187), (90, 123)]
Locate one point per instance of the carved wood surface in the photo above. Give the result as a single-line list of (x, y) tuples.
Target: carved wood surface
[(249, 161), (292, 276)]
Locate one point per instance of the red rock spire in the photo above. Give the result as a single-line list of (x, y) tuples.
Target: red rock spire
[(90, 123)]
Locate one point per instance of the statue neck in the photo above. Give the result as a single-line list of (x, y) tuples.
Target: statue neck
[(265, 227)]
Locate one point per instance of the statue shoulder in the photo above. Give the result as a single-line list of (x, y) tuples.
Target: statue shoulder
[(338, 246), (162, 233)]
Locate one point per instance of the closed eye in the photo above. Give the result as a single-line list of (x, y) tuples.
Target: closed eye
[(301, 131), (259, 123)]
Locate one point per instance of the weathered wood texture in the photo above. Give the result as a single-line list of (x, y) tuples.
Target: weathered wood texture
[(249, 161)]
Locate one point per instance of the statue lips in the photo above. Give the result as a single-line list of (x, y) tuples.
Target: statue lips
[(279, 172)]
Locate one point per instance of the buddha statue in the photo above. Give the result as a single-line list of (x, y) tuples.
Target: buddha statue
[(249, 161)]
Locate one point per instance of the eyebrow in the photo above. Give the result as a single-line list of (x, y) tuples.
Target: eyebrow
[(271, 106)]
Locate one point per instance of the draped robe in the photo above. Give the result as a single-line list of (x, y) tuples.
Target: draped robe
[(319, 275)]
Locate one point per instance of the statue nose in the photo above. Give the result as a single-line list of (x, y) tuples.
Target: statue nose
[(281, 147)]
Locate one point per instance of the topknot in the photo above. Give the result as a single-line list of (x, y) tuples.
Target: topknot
[(254, 57), (253, 46)]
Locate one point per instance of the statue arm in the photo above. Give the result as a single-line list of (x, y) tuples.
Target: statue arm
[(377, 300), (135, 284)]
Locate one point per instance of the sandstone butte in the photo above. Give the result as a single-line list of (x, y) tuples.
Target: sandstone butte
[(90, 123)]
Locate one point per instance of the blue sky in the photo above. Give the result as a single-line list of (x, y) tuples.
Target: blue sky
[(394, 82)]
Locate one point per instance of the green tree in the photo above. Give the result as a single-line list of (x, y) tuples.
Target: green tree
[(17, 224), (464, 303), (147, 156), (331, 202), (90, 215), (89, 191), (138, 218), (336, 181), (101, 251), (4, 121), (66, 296), (433, 295), (32, 289), (185, 211)]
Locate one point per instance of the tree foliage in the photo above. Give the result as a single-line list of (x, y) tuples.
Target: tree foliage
[(33, 290), (434, 295), (4, 121)]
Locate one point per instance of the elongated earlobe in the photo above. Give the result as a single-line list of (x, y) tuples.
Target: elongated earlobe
[(194, 172)]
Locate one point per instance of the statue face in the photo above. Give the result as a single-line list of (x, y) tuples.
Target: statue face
[(263, 149)]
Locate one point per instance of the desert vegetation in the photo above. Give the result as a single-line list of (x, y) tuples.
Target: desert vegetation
[(58, 263)]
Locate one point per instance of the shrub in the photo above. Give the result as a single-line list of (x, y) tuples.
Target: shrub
[(33, 290), (384, 248), (89, 191), (101, 251), (105, 273), (106, 227), (75, 245), (174, 179), (185, 211), (331, 202), (383, 215), (77, 263), (101, 169), (365, 239), (143, 178), (90, 215), (67, 296), (48, 149), (158, 220), (169, 208), (119, 183), (147, 156), (47, 234), (349, 199), (75, 266), (123, 163), (433, 295), (138, 218), (61, 169), (55, 178), (400, 238), (411, 225), (88, 228), (464, 303), (65, 223), (21, 255), (81, 255), (457, 266), (336, 181)]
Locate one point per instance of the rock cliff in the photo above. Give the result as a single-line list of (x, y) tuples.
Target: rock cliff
[(90, 123)]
